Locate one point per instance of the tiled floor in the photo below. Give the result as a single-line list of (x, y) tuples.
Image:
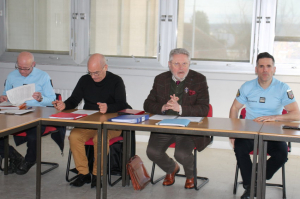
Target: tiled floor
[(217, 164)]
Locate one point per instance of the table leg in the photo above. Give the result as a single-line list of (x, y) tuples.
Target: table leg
[(259, 170), (104, 181), (264, 169), (99, 147), (124, 158), (6, 152), (128, 138), (253, 177), (38, 160)]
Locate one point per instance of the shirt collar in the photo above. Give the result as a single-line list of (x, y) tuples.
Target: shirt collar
[(175, 80)]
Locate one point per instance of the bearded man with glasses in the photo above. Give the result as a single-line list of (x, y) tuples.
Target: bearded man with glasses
[(101, 90), (26, 73)]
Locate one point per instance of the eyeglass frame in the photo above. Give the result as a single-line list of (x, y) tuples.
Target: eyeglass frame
[(177, 64), (25, 69), (96, 73)]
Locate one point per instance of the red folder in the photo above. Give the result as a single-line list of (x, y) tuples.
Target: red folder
[(67, 116), (130, 112)]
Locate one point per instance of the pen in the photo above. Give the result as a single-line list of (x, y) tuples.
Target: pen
[(30, 107)]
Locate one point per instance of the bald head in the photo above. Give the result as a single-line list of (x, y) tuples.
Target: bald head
[(97, 67), (25, 63)]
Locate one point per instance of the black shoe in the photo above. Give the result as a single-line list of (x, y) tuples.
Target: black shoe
[(94, 181), (81, 180), (24, 167), (15, 161), (246, 194)]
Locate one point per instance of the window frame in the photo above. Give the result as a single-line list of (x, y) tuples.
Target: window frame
[(262, 39)]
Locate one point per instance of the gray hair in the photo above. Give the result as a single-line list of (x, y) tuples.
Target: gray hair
[(177, 51)]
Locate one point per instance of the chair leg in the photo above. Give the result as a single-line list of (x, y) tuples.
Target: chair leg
[(109, 174), (236, 179), (68, 168), (204, 179), (283, 183), (52, 164), (152, 175)]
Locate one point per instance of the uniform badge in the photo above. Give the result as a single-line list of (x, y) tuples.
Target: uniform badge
[(290, 94), (238, 93), (186, 90), (262, 100)]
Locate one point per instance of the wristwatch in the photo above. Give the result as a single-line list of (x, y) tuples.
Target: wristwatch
[(41, 99)]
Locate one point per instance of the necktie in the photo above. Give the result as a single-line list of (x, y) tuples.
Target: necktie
[(177, 82)]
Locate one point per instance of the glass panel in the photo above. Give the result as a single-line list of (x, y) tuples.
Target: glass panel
[(218, 30), (124, 27), (287, 32), (38, 25)]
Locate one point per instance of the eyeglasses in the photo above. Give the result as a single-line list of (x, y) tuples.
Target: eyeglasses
[(97, 73), (19, 68), (184, 64)]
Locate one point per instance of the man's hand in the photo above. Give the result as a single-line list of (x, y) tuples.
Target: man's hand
[(172, 104), (3, 98), (271, 118), (232, 141), (59, 105), (37, 96), (102, 107)]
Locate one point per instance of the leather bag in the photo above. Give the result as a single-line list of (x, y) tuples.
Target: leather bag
[(138, 173)]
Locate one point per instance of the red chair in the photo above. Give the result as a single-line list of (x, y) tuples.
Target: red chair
[(48, 130), (236, 183), (89, 147), (204, 179)]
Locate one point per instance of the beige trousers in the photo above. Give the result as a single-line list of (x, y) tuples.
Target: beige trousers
[(77, 139)]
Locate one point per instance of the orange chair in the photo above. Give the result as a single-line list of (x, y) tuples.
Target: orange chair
[(48, 130), (205, 180), (236, 183)]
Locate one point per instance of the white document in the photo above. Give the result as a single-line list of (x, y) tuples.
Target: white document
[(161, 117), (88, 112), (21, 94), (16, 112), (192, 119)]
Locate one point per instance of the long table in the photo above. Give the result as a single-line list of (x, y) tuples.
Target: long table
[(224, 127), (272, 131)]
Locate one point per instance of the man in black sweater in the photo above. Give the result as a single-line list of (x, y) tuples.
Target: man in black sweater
[(101, 90)]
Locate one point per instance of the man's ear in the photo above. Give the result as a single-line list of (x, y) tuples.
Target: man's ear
[(33, 64)]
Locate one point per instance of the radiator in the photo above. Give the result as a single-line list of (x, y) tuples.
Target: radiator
[(65, 94)]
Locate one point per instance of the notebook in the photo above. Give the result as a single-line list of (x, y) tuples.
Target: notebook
[(67, 116), (130, 112), (174, 122)]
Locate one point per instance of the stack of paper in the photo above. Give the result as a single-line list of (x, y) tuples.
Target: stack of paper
[(16, 112), (174, 122), (130, 118)]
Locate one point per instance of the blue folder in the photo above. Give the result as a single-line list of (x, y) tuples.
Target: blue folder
[(130, 118), (174, 122)]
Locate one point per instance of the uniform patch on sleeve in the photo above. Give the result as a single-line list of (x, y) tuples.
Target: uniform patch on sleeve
[(238, 93), (290, 94)]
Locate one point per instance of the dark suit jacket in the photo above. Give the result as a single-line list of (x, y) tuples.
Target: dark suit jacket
[(192, 105)]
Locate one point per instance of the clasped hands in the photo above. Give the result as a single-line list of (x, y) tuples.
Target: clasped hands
[(172, 104)]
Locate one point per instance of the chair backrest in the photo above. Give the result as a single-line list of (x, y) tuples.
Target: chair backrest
[(210, 111), (243, 113)]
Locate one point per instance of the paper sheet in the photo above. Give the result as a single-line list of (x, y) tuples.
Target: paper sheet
[(16, 112), (161, 117), (21, 94), (88, 112)]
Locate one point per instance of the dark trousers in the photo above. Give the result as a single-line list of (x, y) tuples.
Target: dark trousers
[(2, 148), (277, 151), (159, 143), (31, 144)]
